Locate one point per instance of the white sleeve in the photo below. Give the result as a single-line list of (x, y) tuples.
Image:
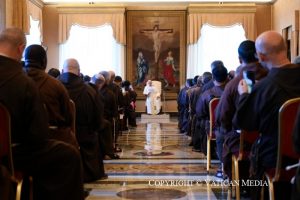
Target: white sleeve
[(146, 90)]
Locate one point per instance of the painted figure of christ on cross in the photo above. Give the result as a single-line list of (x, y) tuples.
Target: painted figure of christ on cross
[(155, 33)]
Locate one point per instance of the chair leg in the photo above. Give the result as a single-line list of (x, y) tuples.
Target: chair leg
[(208, 155), (271, 188), (233, 178), (19, 189), (237, 178)]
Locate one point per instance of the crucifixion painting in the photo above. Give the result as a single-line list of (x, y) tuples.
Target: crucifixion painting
[(156, 48), (155, 33)]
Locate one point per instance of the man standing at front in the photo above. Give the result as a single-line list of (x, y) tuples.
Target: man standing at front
[(153, 102)]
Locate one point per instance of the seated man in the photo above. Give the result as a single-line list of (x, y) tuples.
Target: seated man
[(229, 101), (153, 102), (129, 111), (219, 73), (105, 134), (87, 120), (258, 110), (110, 107), (53, 93), (182, 106), (55, 166)]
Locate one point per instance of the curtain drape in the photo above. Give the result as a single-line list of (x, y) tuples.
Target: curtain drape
[(116, 19), (95, 49), (20, 17), (196, 22), (215, 15), (35, 11), (192, 60), (216, 43)]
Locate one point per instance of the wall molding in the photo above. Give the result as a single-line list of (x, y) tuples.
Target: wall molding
[(222, 8), (90, 9)]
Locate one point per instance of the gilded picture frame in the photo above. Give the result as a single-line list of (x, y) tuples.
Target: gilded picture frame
[(156, 50)]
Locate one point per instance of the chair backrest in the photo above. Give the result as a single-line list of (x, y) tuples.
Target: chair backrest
[(247, 138), (286, 122), (212, 107), (5, 139), (157, 85), (73, 111)]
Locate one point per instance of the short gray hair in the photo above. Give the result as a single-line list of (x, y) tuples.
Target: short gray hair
[(13, 36)]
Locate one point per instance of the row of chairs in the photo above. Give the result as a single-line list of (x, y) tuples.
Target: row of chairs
[(286, 121), (6, 158), (6, 145)]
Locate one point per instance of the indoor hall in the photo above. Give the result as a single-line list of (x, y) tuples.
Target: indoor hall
[(169, 41), (158, 163)]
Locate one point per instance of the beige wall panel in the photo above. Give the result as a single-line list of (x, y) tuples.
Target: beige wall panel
[(284, 13), (263, 18), (2, 14), (50, 27)]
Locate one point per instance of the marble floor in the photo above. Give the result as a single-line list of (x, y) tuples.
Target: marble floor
[(158, 163)]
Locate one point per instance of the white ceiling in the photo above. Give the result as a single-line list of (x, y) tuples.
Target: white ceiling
[(160, 1)]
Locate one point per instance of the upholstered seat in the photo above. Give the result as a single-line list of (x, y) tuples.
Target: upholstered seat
[(242, 156), (6, 158), (286, 121), (211, 135)]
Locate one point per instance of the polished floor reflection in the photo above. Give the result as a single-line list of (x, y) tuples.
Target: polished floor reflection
[(158, 163)]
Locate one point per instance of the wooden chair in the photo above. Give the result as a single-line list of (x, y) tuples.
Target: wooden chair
[(286, 121), (211, 135), (6, 157), (246, 140)]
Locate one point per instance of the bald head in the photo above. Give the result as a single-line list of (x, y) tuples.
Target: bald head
[(112, 76), (12, 43), (98, 80), (71, 65), (271, 49), (270, 42), (106, 75)]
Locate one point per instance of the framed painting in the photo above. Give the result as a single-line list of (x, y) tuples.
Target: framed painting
[(156, 49)]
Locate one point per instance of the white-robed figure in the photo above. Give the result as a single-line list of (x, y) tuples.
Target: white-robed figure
[(153, 101)]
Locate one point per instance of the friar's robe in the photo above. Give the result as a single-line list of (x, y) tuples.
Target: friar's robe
[(34, 152), (258, 111), (57, 102), (87, 124)]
